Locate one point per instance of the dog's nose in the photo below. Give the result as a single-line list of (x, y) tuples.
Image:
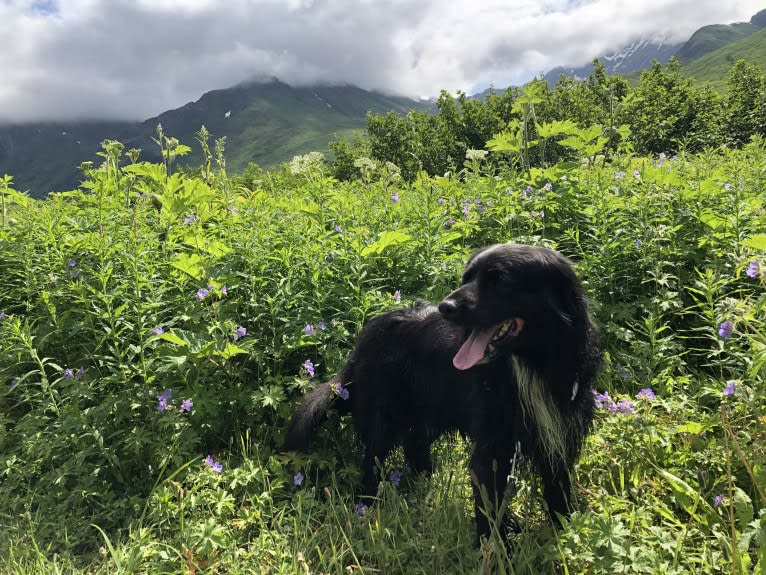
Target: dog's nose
[(448, 308)]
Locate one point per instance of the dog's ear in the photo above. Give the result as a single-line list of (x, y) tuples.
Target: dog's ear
[(561, 304)]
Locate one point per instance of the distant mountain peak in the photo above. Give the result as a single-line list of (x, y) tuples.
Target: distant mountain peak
[(635, 55)]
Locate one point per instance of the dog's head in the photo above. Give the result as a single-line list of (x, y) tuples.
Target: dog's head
[(514, 299)]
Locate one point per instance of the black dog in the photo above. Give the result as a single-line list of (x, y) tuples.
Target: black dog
[(508, 358)]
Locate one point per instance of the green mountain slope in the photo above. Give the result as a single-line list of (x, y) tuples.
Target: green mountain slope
[(713, 68), (710, 38), (269, 123), (266, 123)]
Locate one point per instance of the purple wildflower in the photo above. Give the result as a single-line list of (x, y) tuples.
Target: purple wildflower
[(298, 479), (398, 296), (80, 373), (309, 329), (548, 187), (638, 244), (309, 367), (240, 333), (322, 326), (361, 509), (646, 393), (159, 330), (213, 464), (637, 174), (449, 223), (341, 391), (717, 500), (527, 191), (202, 293), (624, 406), (619, 175), (440, 202), (395, 477), (339, 229), (466, 208), (603, 401), (731, 387), (225, 290), (727, 186), (754, 269), (395, 198), (163, 399), (68, 373), (71, 264), (186, 406), (188, 220), (3, 316), (725, 329)]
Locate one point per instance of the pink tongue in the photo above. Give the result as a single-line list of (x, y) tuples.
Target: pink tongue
[(472, 350)]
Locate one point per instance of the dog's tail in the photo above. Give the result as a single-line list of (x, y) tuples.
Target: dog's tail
[(310, 413)]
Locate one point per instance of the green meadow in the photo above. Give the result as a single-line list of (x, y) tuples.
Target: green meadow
[(158, 326)]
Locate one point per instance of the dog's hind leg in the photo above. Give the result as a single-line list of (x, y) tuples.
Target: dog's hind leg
[(378, 442), (417, 450)]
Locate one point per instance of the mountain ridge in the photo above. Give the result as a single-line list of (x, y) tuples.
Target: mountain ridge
[(266, 122)]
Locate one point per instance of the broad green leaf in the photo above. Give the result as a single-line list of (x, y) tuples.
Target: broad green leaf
[(386, 240), (190, 264), (506, 141), (756, 241), (712, 220), (230, 351), (687, 497), (170, 337), (692, 427), (743, 508), (557, 128)]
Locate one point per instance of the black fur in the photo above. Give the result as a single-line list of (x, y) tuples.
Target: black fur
[(405, 389)]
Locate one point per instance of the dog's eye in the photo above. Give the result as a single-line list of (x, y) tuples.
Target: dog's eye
[(493, 276)]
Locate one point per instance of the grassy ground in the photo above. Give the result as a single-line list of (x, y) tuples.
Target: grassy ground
[(156, 331)]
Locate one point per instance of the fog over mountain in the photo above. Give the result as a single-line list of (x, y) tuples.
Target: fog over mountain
[(132, 59)]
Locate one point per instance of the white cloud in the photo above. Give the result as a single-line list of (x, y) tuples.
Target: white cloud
[(136, 58)]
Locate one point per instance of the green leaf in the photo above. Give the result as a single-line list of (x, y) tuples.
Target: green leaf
[(230, 351), (190, 264), (557, 128), (386, 240), (756, 241), (712, 220), (170, 337), (743, 508), (687, 497), (506, 141), (692, 427)]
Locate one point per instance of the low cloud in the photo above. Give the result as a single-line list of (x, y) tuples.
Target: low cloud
[(128, 59)]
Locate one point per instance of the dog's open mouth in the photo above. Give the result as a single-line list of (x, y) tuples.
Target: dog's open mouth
[(481, 345)]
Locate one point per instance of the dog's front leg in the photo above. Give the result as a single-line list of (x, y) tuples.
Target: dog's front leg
[(490, 465)]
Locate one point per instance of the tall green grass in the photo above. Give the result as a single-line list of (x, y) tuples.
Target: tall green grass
[(157, 328)]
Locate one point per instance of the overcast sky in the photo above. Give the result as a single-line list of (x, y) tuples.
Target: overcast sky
[(133, 59)]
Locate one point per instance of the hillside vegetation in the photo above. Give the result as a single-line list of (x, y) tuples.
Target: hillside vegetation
[(157, 327), (711, 38), (713, 67)]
